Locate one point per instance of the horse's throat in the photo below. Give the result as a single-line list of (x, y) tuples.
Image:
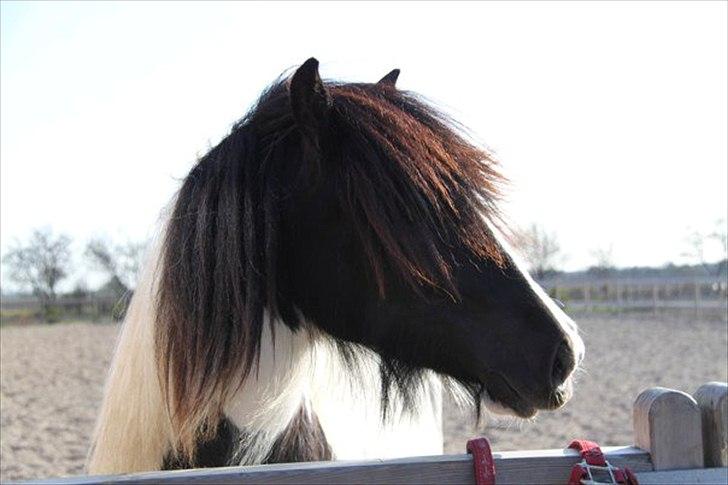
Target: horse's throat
[(309, 404), (351, 417)]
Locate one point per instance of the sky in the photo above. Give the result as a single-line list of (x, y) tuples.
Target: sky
[(610, 119)]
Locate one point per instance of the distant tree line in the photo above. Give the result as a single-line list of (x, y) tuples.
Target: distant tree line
[(542, 251), (42, 262)]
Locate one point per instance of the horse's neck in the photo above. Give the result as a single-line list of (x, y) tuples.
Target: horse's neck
[(298, 369)]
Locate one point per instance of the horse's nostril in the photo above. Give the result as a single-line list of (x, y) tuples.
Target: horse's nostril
[(563, 364)]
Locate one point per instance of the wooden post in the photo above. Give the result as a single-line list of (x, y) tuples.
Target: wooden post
[(654, 299), (587, 297), (667, 424), (697, 299), (712, 400), (618, 289)]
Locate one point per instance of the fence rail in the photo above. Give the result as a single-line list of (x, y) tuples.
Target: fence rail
[(22, 310), (35, 303), (678, 439), (653, 294), (541, 466)]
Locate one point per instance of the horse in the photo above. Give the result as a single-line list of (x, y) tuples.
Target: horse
[(322, 276)]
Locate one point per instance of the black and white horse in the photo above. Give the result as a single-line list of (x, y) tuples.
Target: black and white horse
[(323, 273)]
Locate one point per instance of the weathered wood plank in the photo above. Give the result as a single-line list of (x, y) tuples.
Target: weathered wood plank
[(667, 424), (698, 476), (554, 466), (712, 400), (536, 466)]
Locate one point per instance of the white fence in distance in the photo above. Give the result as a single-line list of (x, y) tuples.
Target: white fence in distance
[(699, 295)]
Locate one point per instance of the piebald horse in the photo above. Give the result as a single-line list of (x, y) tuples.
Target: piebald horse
[(322, 275)]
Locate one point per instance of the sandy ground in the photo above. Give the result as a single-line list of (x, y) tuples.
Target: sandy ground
[(51, 379)]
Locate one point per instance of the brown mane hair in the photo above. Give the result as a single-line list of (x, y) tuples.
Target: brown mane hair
[(404, 175)]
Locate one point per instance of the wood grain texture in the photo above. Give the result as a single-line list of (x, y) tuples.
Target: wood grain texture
[(698, 476), (712, 400), (536, 466), (667, 424)]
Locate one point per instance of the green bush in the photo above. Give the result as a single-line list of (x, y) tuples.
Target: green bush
[(52, 314)]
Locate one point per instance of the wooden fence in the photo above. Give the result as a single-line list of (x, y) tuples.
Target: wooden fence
[(698, 295), (678, 439), (91, 307)]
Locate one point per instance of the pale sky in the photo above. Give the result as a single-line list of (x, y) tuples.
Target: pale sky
[(611, 119)]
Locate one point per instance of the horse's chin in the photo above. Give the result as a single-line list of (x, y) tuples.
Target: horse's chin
[(504, 399), (499, 409)]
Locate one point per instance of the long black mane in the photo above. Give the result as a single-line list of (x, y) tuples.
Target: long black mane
[(399, 172)]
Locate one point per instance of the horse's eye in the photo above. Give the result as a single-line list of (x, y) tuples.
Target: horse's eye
[(559, 303)]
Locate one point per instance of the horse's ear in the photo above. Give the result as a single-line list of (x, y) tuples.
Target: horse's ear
[(310, 100), (390, 79)]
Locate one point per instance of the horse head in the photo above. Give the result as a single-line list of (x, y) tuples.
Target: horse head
[(360, 211)]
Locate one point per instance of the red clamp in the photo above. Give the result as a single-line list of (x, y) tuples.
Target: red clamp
[(595, 469), (483, 465)]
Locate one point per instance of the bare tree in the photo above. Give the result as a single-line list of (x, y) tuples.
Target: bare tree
[(695, 248), (604, 261), (121, 263), (541, 250), (694, 253), (720, 234), (698, 242), (41, 264)]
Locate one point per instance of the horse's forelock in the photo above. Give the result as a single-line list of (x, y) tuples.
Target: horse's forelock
[(415, 178)]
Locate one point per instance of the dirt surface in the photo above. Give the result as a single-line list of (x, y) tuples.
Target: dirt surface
[(51, 379)]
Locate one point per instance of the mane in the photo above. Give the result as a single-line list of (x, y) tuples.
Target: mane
[(407, 177)]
